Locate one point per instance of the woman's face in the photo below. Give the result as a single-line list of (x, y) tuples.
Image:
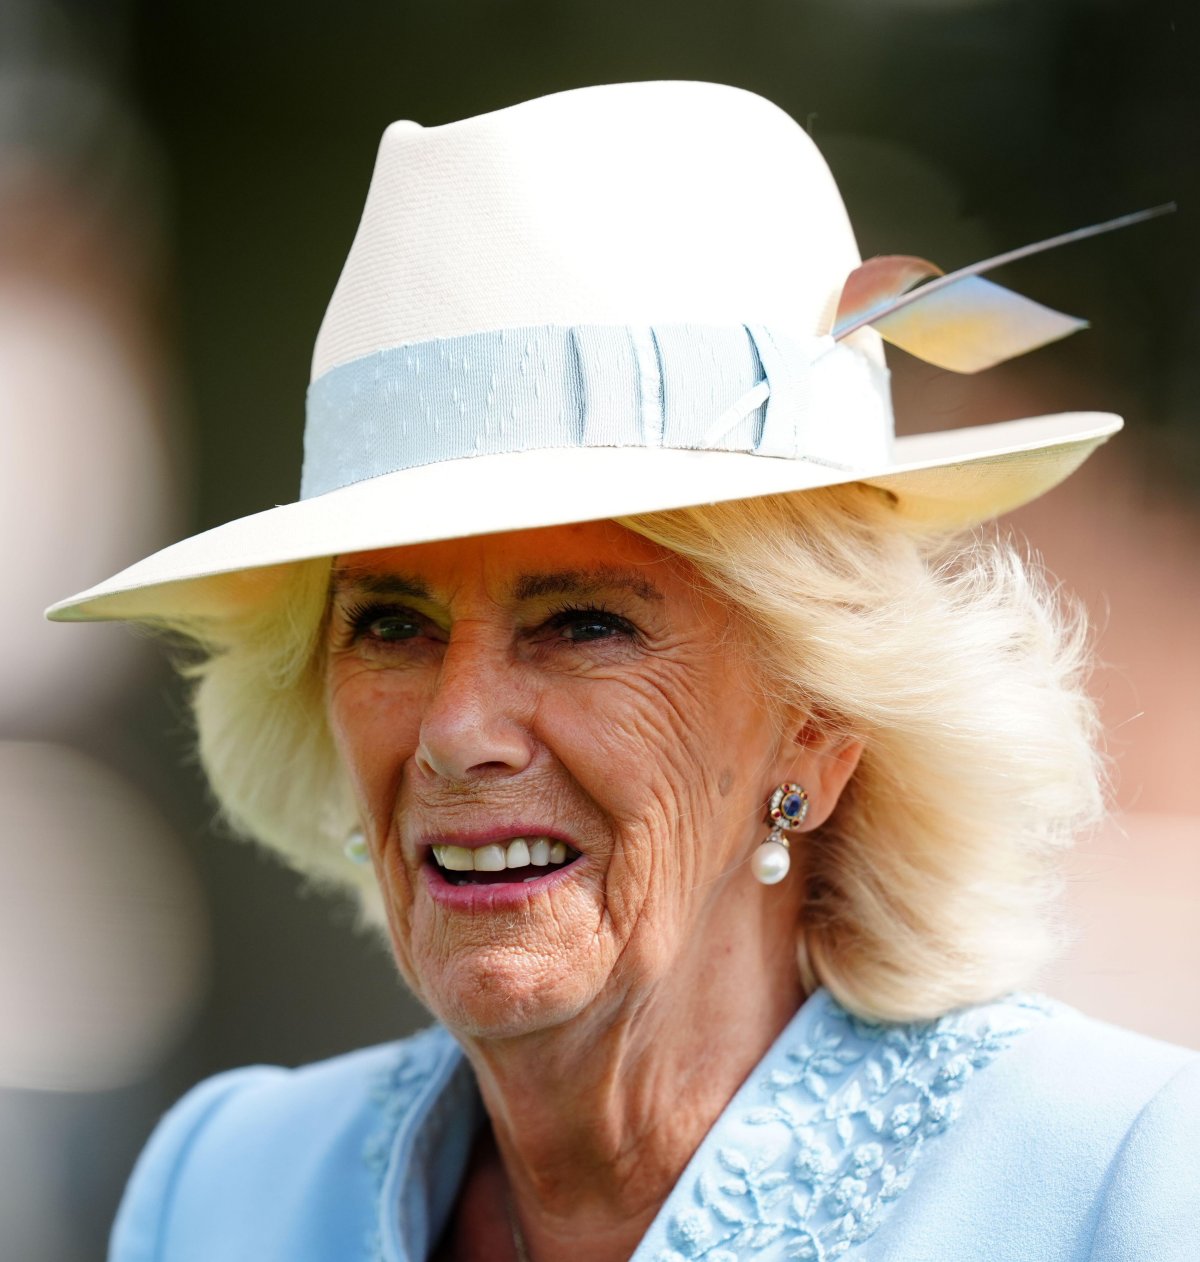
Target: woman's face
[(568, 710)]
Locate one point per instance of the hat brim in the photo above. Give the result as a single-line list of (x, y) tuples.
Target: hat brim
[(951, 478)]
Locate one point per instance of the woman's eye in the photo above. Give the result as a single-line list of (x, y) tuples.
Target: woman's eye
[(582, 625), (393, 628), (384, 625)]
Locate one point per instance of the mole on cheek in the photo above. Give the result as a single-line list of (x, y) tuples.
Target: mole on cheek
[(725, 783)]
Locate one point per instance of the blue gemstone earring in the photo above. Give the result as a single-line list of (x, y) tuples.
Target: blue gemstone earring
[(785, 813)]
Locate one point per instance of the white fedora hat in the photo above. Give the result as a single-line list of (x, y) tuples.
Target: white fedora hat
[(604, 302)]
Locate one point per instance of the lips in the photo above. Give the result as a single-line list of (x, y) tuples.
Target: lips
[(503, 862)]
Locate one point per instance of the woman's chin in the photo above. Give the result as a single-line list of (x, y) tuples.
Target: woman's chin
[(502, 993), (509, 969)]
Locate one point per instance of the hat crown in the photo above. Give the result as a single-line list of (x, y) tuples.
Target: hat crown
[(632, 204)]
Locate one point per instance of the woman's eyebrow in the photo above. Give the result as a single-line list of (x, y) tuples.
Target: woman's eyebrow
[(348, 579), (583, 583), (577, 582)]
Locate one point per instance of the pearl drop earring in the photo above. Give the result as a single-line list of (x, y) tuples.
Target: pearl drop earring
[(785, 813), (355, 848)]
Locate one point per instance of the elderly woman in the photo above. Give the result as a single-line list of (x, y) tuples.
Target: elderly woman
[(707, 778)]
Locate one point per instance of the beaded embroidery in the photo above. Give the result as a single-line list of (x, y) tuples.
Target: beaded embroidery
[(842, 1128)]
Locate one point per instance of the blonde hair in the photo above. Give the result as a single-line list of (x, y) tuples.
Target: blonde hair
[(960, 668)]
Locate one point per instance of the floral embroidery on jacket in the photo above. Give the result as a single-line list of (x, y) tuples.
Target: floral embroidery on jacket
[(843, 1127)]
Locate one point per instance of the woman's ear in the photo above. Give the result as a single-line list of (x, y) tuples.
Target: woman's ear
[(821, 761)]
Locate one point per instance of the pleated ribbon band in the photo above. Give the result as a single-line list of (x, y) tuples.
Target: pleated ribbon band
[(723, 388)]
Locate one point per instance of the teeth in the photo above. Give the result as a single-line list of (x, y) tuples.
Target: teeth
[(489, 859), (521, 852), (455, 858)]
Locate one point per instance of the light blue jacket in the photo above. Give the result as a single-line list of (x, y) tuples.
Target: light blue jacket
[(1018, 1131)]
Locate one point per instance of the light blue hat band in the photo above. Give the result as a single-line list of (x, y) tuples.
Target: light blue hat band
[(723, 388)]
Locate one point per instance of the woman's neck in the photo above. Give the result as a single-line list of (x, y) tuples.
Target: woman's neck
[(595, 1119)]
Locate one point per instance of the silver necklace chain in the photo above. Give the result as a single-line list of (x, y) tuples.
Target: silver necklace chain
[(518, 1236)]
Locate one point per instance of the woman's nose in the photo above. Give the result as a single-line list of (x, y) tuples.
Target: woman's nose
[(473, 724)]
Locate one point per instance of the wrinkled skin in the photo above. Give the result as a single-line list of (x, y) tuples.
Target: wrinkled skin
[(578, 680)]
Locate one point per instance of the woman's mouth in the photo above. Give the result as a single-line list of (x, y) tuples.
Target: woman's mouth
[(502, 863)]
